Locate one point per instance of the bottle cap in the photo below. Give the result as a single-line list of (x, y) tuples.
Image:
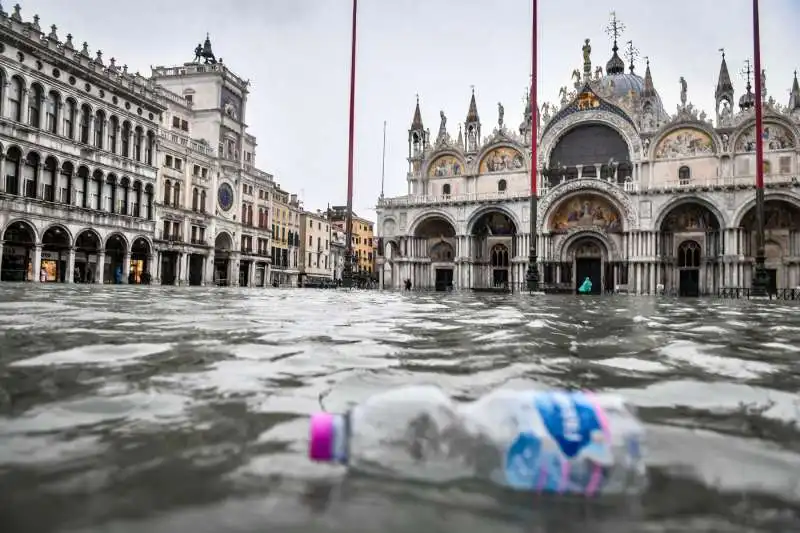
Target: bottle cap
[(321, 437)]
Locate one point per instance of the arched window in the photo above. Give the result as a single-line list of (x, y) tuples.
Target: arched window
[(35, 101), (167, 191), (684, 175), (250, 215), (15, 91), (150, 147), (446, 189), (70, 110), (689, 255), (202, 201), (99, 128), (176, 195), (51, 110), (499, 256), (195, 198), (113, 126), (138, 139), (126, 139), (244, 213), (501, 186), (86, 121)]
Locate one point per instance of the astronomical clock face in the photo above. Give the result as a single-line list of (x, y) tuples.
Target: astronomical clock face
[(225, 197)]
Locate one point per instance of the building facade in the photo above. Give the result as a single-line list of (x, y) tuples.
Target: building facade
[(77, 160), (631, 196), (363, 232), (214, 204), (315, 248), (286, 238)]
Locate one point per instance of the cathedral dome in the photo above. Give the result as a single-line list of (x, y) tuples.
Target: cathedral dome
[(618, 86)]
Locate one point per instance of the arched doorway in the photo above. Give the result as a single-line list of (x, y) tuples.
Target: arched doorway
[(494, 231), (689, 255), (782, 241), (500, 261), (87, 256), (140, 261), (19, 240), (55, 253), (223, 247), (435, 241), (116, 249), (586, 256), (691, 232)]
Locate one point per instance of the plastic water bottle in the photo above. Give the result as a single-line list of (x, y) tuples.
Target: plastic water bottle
[(543, 441)]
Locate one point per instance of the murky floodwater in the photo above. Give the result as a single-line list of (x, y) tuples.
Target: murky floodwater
[(146, 409)]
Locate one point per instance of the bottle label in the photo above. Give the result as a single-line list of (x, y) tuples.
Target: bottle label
[(562, 445)]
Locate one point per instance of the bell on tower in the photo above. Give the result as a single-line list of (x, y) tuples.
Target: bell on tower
[(724, 94), (473, 125)]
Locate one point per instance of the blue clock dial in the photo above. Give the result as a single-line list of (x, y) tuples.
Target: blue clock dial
[(225, 196)]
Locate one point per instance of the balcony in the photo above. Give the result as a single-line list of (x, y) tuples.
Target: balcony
[(185, 141), (172, 237)]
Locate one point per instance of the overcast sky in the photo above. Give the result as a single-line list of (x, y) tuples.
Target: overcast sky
[(297, 55)]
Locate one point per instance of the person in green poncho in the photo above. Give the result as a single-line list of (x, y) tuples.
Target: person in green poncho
[(586, 286)]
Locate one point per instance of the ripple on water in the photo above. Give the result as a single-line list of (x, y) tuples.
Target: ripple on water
[(98, 354), (698, 356)]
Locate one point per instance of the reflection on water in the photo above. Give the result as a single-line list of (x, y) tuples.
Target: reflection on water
[(147, 409)]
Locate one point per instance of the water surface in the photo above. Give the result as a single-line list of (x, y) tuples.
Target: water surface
[(154, 409)]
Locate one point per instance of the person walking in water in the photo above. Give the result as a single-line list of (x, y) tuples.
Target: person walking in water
[(586, 286)]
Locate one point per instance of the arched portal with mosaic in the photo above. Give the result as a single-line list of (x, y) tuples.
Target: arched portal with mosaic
[(493, 246), (684, 142), (781, 240), (690, 245), (435, 241), (586, 256), (502, 159), (776, 137)]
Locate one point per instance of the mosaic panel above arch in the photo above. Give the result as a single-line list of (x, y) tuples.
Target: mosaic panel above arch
[(445, 166), (586, 210), (684, 142), (776, 137), (500, 160), (690, 217), (778, 215)]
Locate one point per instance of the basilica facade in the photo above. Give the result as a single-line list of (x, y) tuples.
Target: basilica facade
[(634, 197)]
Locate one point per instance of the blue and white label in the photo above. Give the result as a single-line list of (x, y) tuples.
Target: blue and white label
[(561, 450), (570, 419)]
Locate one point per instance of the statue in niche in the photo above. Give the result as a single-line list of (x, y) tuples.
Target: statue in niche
[(500, 112), (725, 141), (725, 114), (682, 81), (472, 138)]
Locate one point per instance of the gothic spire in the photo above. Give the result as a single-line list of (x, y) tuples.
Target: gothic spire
[(416, 122), (724, 85), (472, 113), (615, 28), (794, 98), (649, 88)]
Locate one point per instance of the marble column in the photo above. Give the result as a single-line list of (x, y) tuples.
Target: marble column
[(1, 256), (251, 274), (37, 263), (70, 274), (100, 267), (208, 269), (126, 267), (184, 279)]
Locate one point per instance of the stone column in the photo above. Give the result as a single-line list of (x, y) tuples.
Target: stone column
[(251, 274), (184, 279), (380, 277), (1, 256), (2, 173), (37, 263), (100, 267), (155, 268), (70, 274), (208, 270), (126, 266)]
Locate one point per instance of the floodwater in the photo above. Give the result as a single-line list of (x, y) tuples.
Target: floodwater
[(153, 409)]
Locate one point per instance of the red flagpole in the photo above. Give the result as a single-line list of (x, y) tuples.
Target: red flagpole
[(759, 283), (532, 276), (347, 274)]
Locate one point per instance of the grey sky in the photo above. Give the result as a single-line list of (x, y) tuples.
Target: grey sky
[(296, 53)]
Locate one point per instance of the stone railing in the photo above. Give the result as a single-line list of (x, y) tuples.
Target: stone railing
[(187, 142), (258, 174), (431, 199)]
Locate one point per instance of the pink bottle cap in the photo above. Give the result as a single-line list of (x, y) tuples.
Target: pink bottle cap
[(321, 437)]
